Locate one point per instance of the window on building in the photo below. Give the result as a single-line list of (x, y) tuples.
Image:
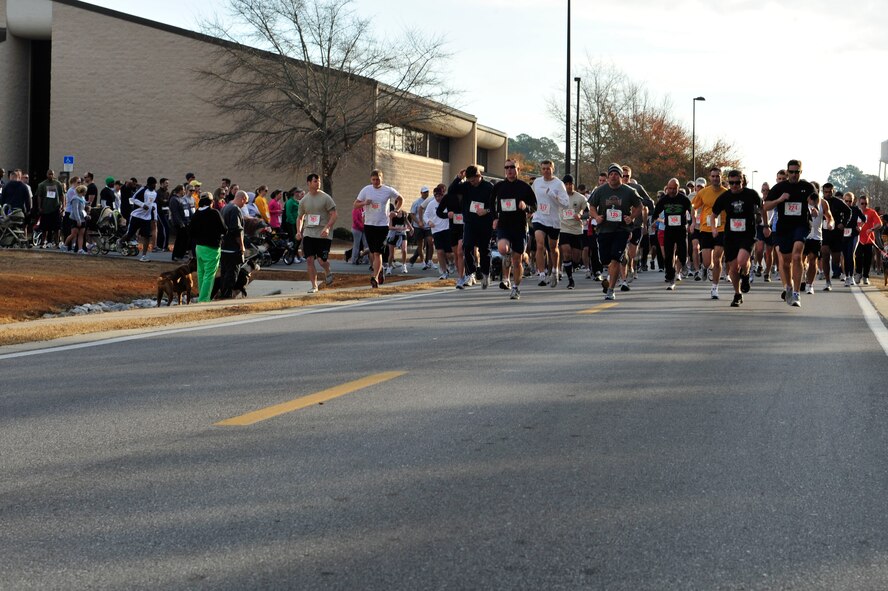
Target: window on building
[(482, 158), (412, 141)]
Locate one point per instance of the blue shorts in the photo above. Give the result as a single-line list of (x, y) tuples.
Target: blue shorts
[(612, 246), (787, 238), (517, 238)]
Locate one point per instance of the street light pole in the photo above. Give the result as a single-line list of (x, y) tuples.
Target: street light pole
[(752, 182), (577, 159), (567, 108), (694, 137)]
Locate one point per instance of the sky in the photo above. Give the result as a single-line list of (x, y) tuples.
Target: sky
[(789, 79)]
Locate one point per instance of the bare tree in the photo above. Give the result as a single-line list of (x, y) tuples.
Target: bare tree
[(307, 81)]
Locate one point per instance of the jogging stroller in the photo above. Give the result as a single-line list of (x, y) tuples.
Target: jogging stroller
[(103, 230), (12, 228)]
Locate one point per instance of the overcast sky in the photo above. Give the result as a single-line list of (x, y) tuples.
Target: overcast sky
[(794, 79)]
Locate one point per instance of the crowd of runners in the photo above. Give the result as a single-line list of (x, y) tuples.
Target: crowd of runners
[(713, 230)]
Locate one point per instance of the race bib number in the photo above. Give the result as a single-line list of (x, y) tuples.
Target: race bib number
[(186, 213), (50, 194), (714, 221), (825, 224), (614, 215), (477, 207), (738, 225), (509, 205), (674, 220), (457, 218), (375, 206), (544, 208), (568, 214), (792, 209), (313, 219), (847, 233)]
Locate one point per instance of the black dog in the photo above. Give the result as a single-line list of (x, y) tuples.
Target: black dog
[(244, 277)]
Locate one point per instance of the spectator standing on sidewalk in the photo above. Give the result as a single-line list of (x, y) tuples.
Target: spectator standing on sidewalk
[(232, 243), (79, 217), (359, 243), (49, 203), (207, 230), (275, 210), (181, 212)]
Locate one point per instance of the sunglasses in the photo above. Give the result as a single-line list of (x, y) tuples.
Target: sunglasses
[(510, 166), (735, 182), (793, 171)]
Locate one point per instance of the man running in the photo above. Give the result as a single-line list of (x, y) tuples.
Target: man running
[(740, 205), (513, 201), (831, 251), (614, 206), (470, 198), (317, 215), (637, 237), (821, 221), (375, 198), (711, 244), (676, 209), (551, 197), (570, 240), (790, 199)]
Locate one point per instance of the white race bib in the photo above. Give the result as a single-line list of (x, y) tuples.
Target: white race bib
[(313, 219), (50, 194), (614, 215), (477, 207), (738, 225), (714, 221), (674, 220), (791, 208), (567, 214), (509, 205), (847, 233), (457, 218), (375, 206), (825, 224), (186, 212), (544, 208)]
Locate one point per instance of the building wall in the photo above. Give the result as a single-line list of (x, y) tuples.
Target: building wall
[(464, 150), (15, 64), (408, 173)]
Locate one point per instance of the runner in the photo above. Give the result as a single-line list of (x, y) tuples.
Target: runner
[(740, 205), (470, 197), (396, 239), (551, 198), (872, 223), (317, 215), (676, 210), (440, 229), (570, 240), (629, 271), (831, 251), (711, 244), (420, 233), (821, 221), (513, 201), (613, 206), (790, 198), (375, 198)]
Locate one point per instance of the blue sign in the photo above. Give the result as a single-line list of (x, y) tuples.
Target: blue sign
[(69, 160)]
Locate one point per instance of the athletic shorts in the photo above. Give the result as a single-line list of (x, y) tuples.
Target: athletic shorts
[(759, 233), (635, 236), (550, 232), (517, 238), (788, 238), (589, 240), (612, 246), (456, 234), (695, 235), (707, 242), (420, 233), (812, 247), (442, 240), (833, 239), (376, 238), (316, 247), (140, 227), (733, 246), (395, 239), (49, 222), (572, 240), (66, 223)]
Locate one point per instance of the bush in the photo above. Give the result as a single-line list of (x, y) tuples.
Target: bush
[(343, 234)]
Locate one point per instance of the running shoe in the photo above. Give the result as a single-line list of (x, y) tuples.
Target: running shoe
[(783, 295), (758, 271), (598, 277), (553, 280), (426, 266), (828, 286), (505, 284), (697, 276), (803, 286), (443, 276), (144, 258), (610, 295), (767, 278), (485, 281), (404, 270), (314, 289), (744, 283), (328, 280), (515, 294), (848, 282), (375, 284), (570, 283), (678, 277), (671, 286), (605, 285), (624, 286), (542, 282), (738, 299), (461, 283), (795, 301), (810, 290), (866, 280), (470, 280), (588, 274), (820, 275), (713, 293)]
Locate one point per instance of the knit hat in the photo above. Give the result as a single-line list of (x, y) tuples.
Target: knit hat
[(614, 167)]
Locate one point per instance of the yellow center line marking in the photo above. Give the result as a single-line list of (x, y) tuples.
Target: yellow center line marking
[(310, 400), (598, 308)]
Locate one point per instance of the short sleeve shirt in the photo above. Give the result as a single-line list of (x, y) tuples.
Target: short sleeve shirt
[(794, 212), (576, 206), (703, 201), (739, 209), (675, 210), (315, 211), (377, 206), (612, 205)]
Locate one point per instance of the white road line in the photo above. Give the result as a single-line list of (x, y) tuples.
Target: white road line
[(261, 318), (872, 318)]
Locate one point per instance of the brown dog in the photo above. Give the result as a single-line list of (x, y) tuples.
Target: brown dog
[(179, 281)]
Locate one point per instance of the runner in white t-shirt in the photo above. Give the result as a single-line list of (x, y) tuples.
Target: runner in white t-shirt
[(375, 199), (551, 198)]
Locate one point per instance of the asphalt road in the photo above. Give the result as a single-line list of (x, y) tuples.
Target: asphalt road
[(668, 442)]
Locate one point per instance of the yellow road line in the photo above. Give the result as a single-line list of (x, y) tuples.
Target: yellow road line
[(310, 400), (598, 308)]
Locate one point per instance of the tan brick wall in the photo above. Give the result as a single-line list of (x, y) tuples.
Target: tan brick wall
[(15, 64)]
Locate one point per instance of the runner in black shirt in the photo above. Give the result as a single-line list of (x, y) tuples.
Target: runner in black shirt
[(513, 202), (790, 198), (831, 251), (676, 209), (740, 206)]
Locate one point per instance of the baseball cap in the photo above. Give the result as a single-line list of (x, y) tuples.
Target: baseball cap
[(424, 189), (701, 181)]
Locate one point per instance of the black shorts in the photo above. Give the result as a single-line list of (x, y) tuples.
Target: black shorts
[(759, 233), (574, 241), (550, 232), (812, 247), (376, 238), (612, 246), (420, 233), (788, 237), (442, 240), (66, 223), (707, 242), (635, 236), (49, 222), (316, 247), (833, 239), (140, 227), (517, 238), (456, 234), (733, 246), (695, 235)]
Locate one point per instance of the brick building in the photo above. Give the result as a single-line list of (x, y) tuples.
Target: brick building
[(119, 93)]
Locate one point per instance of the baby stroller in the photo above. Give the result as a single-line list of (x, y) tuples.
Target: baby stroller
[(12, 228), (496, 261), (103, 230)]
